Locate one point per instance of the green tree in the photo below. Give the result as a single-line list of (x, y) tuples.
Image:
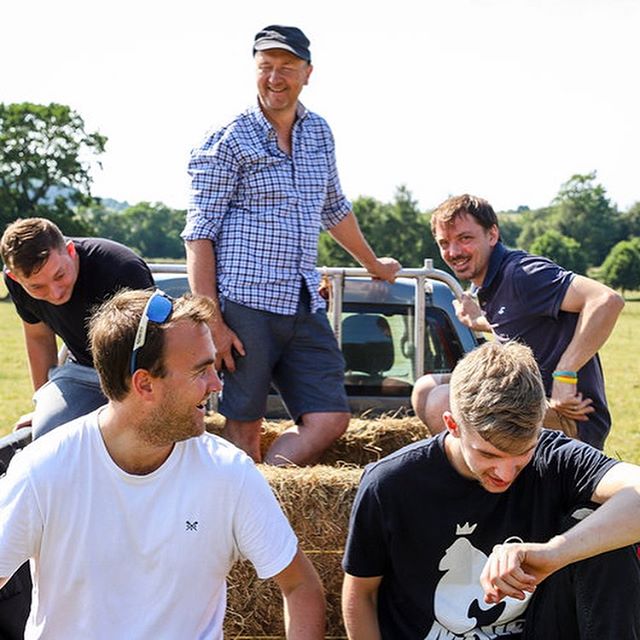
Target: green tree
[(583, 212), (44, 163), (562, 250), (630, 220), (621, 269), (510, 227), (398, 229), (534, 223)]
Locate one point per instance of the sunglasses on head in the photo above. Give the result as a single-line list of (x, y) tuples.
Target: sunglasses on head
[(158, 309)]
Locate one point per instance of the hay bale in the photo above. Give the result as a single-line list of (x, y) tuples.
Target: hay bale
[(317, 500), (366, 440), (254, 607)]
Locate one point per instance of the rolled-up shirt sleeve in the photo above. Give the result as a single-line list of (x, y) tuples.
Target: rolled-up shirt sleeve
[(336, 205), (214, 177)]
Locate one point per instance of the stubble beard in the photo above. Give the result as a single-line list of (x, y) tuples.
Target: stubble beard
[(167, 426)]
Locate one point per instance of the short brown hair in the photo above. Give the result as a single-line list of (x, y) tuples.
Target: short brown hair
[(27, 243), (112, 331), (497, 391), (465, 204)]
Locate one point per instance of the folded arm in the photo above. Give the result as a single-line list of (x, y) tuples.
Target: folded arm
[(514, 569), (598, 308)]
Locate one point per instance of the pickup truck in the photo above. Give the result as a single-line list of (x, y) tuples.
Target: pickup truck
[(385, 349)]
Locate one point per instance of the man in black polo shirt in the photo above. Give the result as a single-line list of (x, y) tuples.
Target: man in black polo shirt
[(564, 317)]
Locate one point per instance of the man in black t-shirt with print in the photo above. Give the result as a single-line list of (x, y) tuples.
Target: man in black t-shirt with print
[(490, 529)]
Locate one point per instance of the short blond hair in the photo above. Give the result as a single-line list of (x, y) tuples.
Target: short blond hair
[(497, 391)]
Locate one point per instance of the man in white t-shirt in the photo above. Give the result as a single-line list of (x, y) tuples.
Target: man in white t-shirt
[(132, 516)]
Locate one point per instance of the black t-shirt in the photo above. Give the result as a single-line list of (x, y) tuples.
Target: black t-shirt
[(105, 268), (428, 532)]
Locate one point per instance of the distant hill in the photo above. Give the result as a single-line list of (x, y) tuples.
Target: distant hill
[(114, 205)]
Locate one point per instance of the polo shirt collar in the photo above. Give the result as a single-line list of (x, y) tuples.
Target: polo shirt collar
[(495, 260)]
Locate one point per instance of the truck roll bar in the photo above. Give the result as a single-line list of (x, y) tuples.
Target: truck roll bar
[(337, 275)]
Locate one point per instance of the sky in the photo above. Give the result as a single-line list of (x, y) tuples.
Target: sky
[(505, 99)]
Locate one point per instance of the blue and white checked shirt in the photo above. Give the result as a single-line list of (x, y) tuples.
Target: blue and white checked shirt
[(263, 209)]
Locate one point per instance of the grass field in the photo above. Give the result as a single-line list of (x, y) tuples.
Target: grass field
[(619, 356)]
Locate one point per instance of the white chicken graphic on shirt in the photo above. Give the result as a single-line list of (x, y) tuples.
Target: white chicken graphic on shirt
[(459, 607)]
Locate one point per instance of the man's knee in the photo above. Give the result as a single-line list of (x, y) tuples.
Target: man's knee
[(246, 435), (72, 391), (333, 424), (430, 399), (421, 390), (594, 599), (304, 443)]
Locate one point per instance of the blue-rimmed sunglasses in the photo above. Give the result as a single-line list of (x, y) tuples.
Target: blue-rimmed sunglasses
[(158, 309)]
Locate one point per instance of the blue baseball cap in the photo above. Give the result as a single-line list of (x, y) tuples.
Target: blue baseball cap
[(290, 39)]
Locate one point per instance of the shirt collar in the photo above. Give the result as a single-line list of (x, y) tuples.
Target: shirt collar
[(495, 260), (261, 119)]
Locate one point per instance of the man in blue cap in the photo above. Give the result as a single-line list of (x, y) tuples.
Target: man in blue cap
[(263, 186)]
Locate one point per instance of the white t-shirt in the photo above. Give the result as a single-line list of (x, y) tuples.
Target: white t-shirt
[(117, 556)]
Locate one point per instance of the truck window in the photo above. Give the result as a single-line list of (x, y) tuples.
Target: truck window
[(379, 351)]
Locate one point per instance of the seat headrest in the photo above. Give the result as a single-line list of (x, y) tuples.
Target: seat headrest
[(367, 344)]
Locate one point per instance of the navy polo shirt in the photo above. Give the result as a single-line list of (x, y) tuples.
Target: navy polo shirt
[(521, 297)]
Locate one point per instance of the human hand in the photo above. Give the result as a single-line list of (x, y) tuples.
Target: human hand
[(555, 420), (515, 569), (566, 400), (385, 269), (225, 342), (470, 313), (23, 421)]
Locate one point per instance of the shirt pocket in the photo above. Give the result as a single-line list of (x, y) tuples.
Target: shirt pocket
[(267, 187)]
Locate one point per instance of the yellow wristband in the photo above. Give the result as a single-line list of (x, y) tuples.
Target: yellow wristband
[(566, 379)]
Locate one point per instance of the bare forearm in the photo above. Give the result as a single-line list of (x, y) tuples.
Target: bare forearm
[(42, 354), (361, 621), (613, 525), (304, 614), (201, 268), (360, 607), (348, 235), (482, 324)]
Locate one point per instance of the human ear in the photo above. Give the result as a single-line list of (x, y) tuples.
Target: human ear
[(452, 426), (142, 384)]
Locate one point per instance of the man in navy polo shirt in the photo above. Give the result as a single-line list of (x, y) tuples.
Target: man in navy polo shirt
[(564, 317)]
